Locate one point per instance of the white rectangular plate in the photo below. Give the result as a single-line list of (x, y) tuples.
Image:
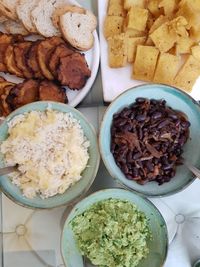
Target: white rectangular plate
[(116, 81)]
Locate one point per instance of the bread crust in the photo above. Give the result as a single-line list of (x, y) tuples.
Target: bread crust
[(25, 15), (61, 10), (74, 25), (15, 27), (41, 18), (9, 9), (2, 18)]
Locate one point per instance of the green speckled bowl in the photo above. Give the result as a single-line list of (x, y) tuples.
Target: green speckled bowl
[(75, 191), (158, 246), (197, 264), (177, 100)]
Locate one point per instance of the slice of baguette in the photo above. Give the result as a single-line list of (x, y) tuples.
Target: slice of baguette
[(77, 29), (24, 14), (15, 27), (2, 18), (41, 18), (61, 10), (8, 8)]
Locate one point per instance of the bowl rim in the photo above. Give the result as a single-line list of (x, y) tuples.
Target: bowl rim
[(196, 263), (94, 172), (102, 126), (113, 189)]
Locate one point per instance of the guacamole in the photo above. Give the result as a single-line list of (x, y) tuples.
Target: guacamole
[(112, 233)]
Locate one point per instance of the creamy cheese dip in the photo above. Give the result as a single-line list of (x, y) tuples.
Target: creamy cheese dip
[(50, 149)]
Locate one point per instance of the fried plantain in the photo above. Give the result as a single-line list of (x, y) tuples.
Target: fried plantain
[(2, 79), (5, 40), (23, 93), (3, 85), (49, 91), (9, 61), (44, 50), (5, 107), (58, 52), (20, 51), (73, 71), (32, 62)]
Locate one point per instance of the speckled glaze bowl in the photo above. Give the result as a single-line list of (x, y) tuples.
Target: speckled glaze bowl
[(158, 246), (197, 264), (75, 191), (176, 99)]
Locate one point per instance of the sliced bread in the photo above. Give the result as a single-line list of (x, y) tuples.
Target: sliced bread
[(61, 10), (24, 14), (77, 29), (2, 18), (8, 8), (41, 18), (15, 27)]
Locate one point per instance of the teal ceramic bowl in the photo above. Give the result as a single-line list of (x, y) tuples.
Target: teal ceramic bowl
[(176, 99), (196, 264), (75, 191), (158, 246)]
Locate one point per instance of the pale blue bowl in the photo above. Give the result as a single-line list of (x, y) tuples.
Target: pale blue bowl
[(158, 246), (177, 100), (75, 191)]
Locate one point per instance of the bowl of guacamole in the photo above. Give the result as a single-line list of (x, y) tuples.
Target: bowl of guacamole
[(114, 228)]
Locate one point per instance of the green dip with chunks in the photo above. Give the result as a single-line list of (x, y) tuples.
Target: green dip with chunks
[(112, 233)]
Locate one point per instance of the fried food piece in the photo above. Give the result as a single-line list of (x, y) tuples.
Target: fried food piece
[(2, 79), (5, 40), (44, 50), (20, 51), (73, 71), (116, 8), (145, 62), (113, 25), (117, 51), (6, 109), (10, 63), (188, 74), (32, 62), (49, 91), (23, 93), (137, 18), (3, 85), (167, 68), (59, 52)]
